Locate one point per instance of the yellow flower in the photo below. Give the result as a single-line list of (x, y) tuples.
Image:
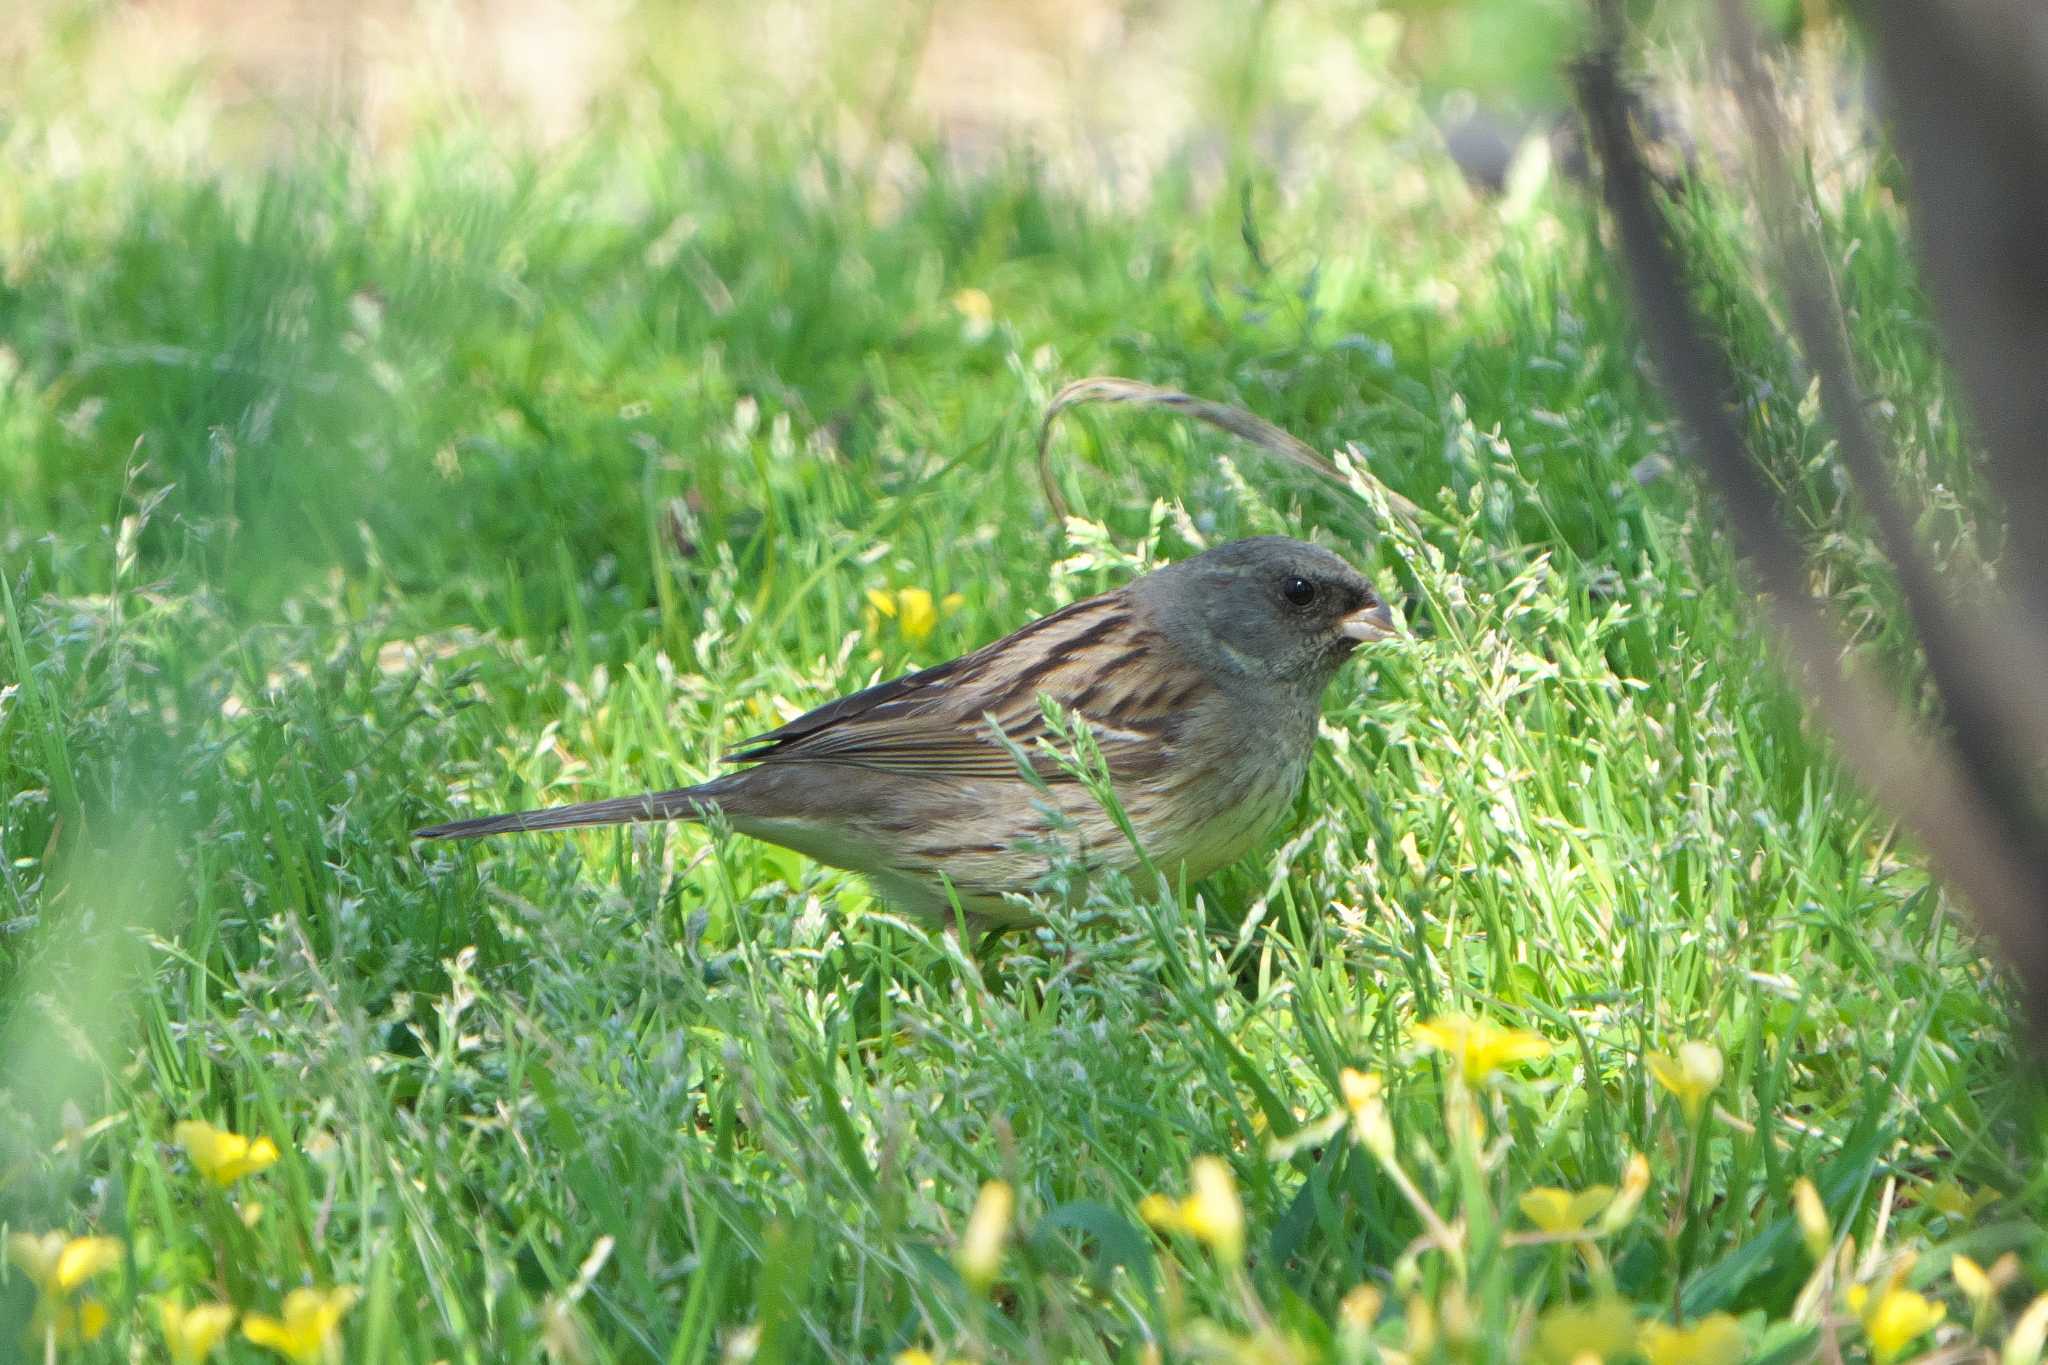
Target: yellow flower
[(1692, 1075), (1713, 1340), (1359, 1088), (57, 1264), (72, 1323), (915, 614), (1159, 1211), (1635, 1183), (1570, 1333), (912, 609), (220, 1156), (1970, 1278), (1211, 1211), (309, 1328), (976, 312), (2024, 1344), (193, 1334), (915, 1356), (1982, 1287), (1356, 1313), (1562, 1212), (988, 1228), (1422, 1327), (1370, 1126), (974, 303), (1360, 1308), (1479, 1048), (1813, 1219), (1893, 1318)]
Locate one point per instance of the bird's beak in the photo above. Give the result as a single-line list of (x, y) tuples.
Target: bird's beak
[(1375, 622)]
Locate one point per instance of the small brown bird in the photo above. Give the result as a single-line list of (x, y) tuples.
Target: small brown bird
[(1201, 681)]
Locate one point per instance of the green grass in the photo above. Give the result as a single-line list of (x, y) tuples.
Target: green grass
[(335, 503)]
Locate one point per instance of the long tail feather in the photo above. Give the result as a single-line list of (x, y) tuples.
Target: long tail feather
[(684, 803)]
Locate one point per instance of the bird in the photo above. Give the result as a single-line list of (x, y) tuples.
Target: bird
[(1201, 683)]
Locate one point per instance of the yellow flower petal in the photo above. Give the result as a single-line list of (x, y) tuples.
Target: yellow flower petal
[(85, 1257), (1359, 1088), (1714, 1340), (1478, 1047), (1360, 1307), (1692, 1075), (1212, 1212), (1421, 1323), (1561, 1211), (57, 1264), (974, 305), (1588, 1202), (265, 1330), (1813, 1219), (1159, 1211), (1573, 1332), (90, 1319), (221, 1156), (36, 1255), (1444, 1033), (1970, 1278), (1545, 1206), (882, 602), (1370, 1126), (73, 1322), (2029, 1336), (1635, 1183), (917, 614), (1894, 1318), (988, 1230), (193, 1334), (308, 1326)]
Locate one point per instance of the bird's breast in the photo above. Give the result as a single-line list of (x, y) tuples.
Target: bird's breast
[(1228, 785)]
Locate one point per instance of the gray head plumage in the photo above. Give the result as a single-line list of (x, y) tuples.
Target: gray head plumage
[(1268, 611)]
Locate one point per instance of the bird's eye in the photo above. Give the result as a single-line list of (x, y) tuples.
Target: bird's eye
[(1299, 591)]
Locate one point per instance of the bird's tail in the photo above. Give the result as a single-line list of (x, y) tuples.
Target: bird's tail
[(684, 803)]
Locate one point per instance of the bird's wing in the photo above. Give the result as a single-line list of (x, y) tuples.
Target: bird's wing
[(1094, 657)]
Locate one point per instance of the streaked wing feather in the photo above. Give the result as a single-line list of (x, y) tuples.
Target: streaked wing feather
[(965, 756), (894, 695), (936, 722)]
